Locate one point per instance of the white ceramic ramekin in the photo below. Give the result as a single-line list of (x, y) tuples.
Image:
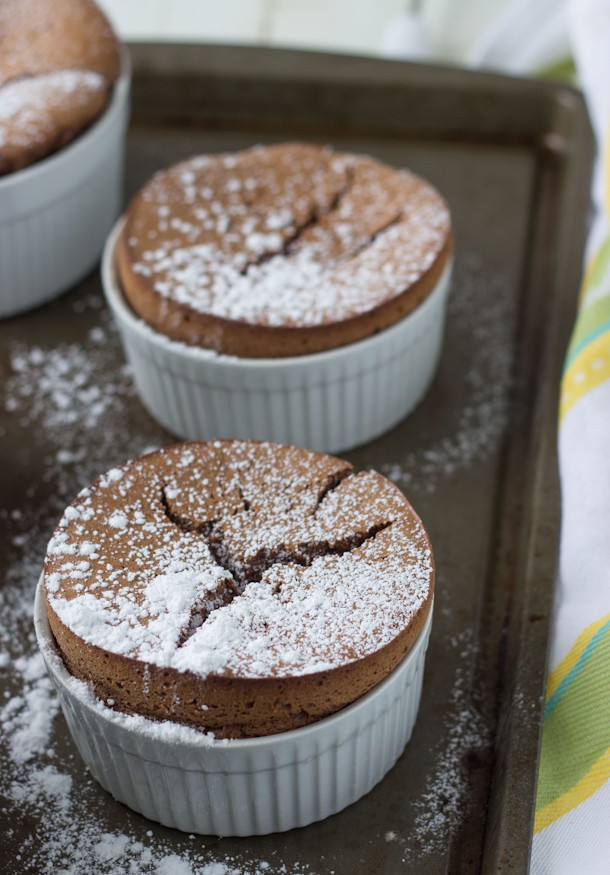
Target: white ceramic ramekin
[(329, 401), (185, 779), (56, 214)]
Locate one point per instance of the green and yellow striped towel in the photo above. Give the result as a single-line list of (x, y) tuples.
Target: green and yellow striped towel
[(572, 827)]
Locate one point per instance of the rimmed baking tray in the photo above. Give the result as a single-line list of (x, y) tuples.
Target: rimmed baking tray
[(477, 458)]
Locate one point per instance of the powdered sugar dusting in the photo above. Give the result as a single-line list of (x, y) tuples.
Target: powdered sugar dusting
[(33, 94), (296, 236), (266, 525), (38, 113)]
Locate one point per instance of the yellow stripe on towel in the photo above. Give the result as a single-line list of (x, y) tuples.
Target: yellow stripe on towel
[(590, 368), (597, 775), (561, 671)]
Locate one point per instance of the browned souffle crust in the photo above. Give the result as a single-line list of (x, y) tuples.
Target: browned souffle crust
[(281, 250), (238, 587)]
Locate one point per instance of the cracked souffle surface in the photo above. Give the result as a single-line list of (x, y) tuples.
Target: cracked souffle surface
[(281, 250), (244, 588)]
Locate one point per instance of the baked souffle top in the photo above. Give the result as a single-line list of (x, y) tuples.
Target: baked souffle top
[(281, 250)]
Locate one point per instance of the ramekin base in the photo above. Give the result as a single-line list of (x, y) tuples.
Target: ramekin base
[(186, 779)]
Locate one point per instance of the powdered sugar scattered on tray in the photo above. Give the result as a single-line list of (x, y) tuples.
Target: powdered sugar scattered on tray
[(481, 420), (441, 807), (28, 719), (443, 804), (64, 386)]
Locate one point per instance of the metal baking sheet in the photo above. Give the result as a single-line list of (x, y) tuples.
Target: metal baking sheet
[(477, 460)]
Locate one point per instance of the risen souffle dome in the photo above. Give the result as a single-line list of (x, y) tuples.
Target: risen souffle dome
[(281, 250), (242, 587)]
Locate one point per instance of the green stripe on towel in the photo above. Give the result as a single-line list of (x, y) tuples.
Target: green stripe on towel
[(576, 730)]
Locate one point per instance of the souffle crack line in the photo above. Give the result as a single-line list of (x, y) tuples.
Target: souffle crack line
[(281, 250), (240, 575)]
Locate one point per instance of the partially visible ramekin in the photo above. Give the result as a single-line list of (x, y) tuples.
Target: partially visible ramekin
[(328, 401), (56, 214), (185, 779)]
